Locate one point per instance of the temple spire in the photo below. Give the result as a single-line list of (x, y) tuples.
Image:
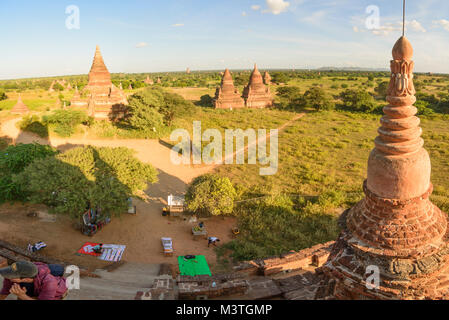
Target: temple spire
[(395, 227)]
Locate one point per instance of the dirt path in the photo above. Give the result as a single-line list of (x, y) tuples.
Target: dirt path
[(142, 233)]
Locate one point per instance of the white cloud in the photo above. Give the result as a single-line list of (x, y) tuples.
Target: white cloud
[(244, 13), (277, 6), (444, 23), (255, 7), (178, 25), (389, 28), (355, 29), (415, 26), (316, 17), (141, 45)]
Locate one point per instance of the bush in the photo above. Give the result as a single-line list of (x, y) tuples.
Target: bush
[(358, 100), (3, 95), (99, 177), (288, 96), (316, 98), (34, 125), (382, 89), (64, 122), (274, 226), (211, 195)]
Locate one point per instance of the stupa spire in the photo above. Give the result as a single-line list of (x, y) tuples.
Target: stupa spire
[(395, 228), (256, 94), (227, 96)]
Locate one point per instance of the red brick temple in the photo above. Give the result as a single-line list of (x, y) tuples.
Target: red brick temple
[(227, 96), (20, 107), (256, 94), (103, 98), (396, 233)]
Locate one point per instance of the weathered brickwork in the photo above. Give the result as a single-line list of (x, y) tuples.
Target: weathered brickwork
[(227, 96), (396, 230)]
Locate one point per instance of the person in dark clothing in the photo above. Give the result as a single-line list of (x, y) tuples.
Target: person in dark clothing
[(32, 281)]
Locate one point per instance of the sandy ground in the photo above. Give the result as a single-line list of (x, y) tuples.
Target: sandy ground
[(141, 234)]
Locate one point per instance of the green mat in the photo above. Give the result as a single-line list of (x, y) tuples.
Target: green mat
[(194, 267)]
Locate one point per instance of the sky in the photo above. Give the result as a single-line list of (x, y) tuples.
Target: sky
[(42, 37)]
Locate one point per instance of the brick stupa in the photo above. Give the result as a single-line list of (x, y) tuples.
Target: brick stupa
[(20, 107), (227, 96), (396, 229), (256, 94), (107, 98), (267, 78), (149, 81)]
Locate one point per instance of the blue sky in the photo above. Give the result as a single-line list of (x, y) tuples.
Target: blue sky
[(171, 35)]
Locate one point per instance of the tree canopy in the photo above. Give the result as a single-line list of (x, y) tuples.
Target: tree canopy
[(99, 177), (211, 194)]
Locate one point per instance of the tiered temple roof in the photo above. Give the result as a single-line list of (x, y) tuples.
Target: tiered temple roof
[(256, 94), (106, 97), (227, 96), (20, 107), (394, 243)]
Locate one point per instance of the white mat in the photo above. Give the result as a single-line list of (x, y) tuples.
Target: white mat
[(112, 252)]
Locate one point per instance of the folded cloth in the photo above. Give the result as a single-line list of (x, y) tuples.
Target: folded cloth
[(37, 246)]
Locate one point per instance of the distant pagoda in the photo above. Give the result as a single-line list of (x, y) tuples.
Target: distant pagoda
[(267, 78), (20, 107), (106, 98), (256, 94), (395, 242), (227, 96), (149, 81)]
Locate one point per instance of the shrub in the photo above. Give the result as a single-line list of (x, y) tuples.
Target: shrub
[(288, 96), (3, 95), (273, 226), (358, 100), (64, 122), (211, 195), (316, 98), (34, 125)]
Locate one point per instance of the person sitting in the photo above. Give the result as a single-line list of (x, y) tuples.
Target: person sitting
[(201, 225), (32, 281), (213, 240)]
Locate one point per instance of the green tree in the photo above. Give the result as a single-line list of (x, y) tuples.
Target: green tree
[(382, 89), (316, 98), (358, 100), (99, 177), (211, 194), (13, 160), (3, 95), (288, 96), (155, 107)]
